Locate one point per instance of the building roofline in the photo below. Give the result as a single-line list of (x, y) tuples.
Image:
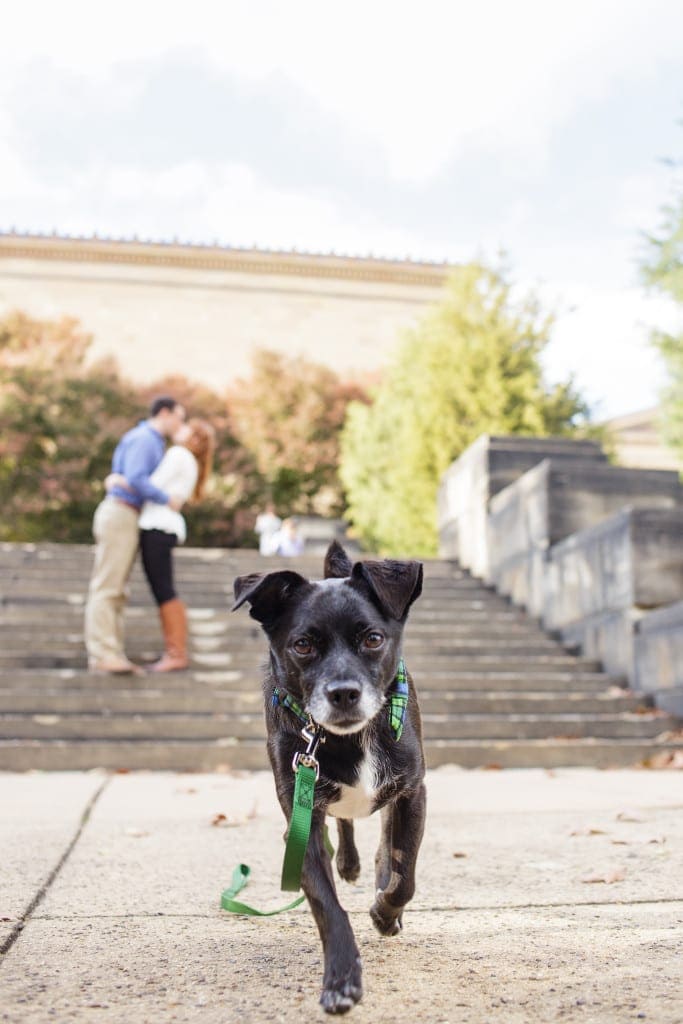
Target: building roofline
[(96, 249)]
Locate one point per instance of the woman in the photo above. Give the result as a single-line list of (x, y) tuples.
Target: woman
[(183, 472)]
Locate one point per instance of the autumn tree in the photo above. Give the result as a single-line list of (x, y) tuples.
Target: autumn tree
[(289, 415), (472, 366), (663, 269), (59, 422)]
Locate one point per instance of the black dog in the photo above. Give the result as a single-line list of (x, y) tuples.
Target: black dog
[(335, 649)]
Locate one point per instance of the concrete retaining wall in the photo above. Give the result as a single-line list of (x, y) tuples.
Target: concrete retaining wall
[(588, 548), (553, 501), (599, 582), (485, 468), (658, 657)]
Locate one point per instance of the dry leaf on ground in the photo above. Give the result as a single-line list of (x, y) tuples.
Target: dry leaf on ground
[(233, 821), (606, 877)]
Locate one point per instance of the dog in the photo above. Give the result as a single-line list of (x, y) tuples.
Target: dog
[(335, 649)]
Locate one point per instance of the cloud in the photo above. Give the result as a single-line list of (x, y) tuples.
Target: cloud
[(432, 129), (176, 109), (425, 82)]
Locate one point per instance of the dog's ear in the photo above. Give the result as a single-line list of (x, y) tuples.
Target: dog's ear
[(393, 585), (266, 594), (337, 563)]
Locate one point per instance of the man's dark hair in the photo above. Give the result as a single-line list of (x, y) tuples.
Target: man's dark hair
[(162, 402)]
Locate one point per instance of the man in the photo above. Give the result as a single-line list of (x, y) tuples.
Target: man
[(115, 527)]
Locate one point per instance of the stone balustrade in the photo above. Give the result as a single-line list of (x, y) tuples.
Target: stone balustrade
[(552, 501), (658, 657), (588, 548), (485, 468)]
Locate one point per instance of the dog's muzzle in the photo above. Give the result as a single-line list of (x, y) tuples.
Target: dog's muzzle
[(343, 706)]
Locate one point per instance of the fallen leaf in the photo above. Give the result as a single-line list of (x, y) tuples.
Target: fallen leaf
[(459, 854), (587, 831), (631, 816), (233, 821), (606, 877)]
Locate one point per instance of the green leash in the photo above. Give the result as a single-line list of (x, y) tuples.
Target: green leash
[(306, 770), (239, 879)]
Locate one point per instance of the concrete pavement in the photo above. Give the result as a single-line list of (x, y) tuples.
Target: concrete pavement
[(110, 887)]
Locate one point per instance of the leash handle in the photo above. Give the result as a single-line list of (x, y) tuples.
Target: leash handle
[(239, 879)]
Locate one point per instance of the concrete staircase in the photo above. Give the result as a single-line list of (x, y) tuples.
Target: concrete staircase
[(494, 689)]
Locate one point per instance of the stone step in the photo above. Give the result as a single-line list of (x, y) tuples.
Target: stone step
[(70, 617), (23, 620), (466, 660), (493, 682), (494, 688), (191, 563), (138, 622), (62, 645), (224, 701), (221, 599), (161, 726), (223, 755)]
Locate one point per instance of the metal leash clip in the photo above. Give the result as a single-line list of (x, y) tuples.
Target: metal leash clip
[(314, 736)]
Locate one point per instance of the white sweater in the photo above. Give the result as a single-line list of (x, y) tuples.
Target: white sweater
[(177, 475)]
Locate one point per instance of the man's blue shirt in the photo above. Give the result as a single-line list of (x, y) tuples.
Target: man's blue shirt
[(136, 456)]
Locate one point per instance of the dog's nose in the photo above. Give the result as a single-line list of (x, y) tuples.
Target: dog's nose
[(343, 696)]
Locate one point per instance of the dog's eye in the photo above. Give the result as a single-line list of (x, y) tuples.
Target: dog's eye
[(303, 646), (373, 640)]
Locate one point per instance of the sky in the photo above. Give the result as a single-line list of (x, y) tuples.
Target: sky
[(423, 129)]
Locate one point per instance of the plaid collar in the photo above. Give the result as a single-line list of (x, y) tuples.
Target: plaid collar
[(397, 706)]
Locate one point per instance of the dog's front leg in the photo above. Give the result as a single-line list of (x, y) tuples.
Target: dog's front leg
[(402, 829), (342, 980)]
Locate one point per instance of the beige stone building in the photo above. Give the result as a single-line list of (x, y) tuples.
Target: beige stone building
[(638, 442), (201, 310)]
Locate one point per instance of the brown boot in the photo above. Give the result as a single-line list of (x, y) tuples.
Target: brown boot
[(174, 628)]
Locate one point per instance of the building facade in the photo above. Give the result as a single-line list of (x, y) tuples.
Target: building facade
[(202, 310)]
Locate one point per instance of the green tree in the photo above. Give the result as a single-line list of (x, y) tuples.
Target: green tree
[(471, 367), (289, 415), (663, 269)]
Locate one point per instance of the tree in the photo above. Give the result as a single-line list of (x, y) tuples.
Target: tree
[(471, 367), (663, 269), (59, 423), (289, 415)]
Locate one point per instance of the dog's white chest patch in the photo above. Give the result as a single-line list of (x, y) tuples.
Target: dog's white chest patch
[(357, 801)]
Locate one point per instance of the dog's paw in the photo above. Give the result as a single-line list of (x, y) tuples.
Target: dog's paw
[(386, 920), (341, 994), (348, 868), (335, 1001)]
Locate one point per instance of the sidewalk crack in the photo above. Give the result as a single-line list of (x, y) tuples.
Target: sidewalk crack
[(42, 892)]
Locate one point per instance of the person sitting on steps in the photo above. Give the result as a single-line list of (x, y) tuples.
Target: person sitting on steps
[(184, 471)]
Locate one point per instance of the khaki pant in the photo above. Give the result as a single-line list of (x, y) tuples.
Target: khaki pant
[(115, 528)]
